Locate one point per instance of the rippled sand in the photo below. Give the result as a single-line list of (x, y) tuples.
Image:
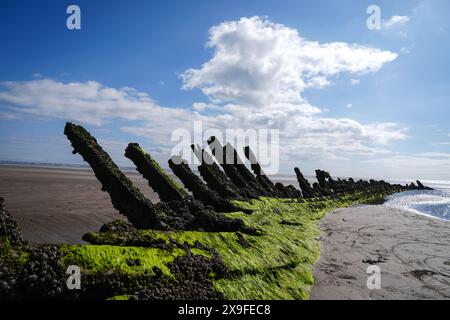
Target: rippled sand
[(412, 251)]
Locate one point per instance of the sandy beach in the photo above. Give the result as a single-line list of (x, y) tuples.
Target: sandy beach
[(60, 205), (412, 251)]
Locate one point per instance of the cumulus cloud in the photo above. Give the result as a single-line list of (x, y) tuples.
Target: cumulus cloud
[(260, 64), (259, 71), (395, 21), (255, 79)]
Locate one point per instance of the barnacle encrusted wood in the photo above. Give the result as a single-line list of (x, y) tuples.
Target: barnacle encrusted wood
[(214, 177), (198, 188), (158, 179), (182, 248), (183, 214), (125, 197)]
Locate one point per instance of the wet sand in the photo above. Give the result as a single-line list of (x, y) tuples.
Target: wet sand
[(56, 205), (59, 205), (411, 250)]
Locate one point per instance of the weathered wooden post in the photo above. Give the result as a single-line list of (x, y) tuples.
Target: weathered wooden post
[(157, 177)]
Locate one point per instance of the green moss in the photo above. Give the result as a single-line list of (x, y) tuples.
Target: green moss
[(276, 264), (120, 298), (201, 252), (5, 247), (150, 237), (278, 284), (102, 258), (12, 254), (279, 259), (23, 257), (163, 172)]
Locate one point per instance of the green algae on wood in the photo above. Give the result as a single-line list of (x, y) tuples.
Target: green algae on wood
[(157, 177), (277, 263), (274, 264), (13, 254), (123, 297), (102, 258), (125, 197)]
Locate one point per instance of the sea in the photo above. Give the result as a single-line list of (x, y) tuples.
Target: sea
[(433, 203)]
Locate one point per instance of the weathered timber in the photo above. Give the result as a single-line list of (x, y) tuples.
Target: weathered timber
[(245, 172), (318, 190), (158, 179), (322, 177), (198, 188), (260, 175), (324, 183), (186, 214), (304, 185), (420, 186), (279, 190), (214, 177), (125, 197), (227, 161)]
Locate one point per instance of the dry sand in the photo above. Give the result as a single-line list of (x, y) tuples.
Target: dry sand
[(412, 251)]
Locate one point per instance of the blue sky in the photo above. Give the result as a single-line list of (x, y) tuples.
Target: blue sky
[(358, 102)]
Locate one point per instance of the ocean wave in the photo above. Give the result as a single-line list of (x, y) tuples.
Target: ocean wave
[(433, 203)]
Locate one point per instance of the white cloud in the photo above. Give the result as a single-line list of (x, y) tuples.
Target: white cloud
[(201, 106), (355, 82), (89, 102), (349, 105), (395, 21), (255, 79), (259, 71), (95, 104), (260, 64)]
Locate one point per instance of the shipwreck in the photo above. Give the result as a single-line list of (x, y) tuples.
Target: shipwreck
[(227, 233)]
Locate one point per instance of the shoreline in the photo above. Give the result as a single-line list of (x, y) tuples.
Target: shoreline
[(410, 249), (404, 211), (122, 260), (60, 205)]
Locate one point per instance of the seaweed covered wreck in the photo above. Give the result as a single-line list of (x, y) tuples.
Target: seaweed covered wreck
[(231, 234)]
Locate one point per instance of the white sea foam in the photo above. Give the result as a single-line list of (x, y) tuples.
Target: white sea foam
[(434, 203)]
